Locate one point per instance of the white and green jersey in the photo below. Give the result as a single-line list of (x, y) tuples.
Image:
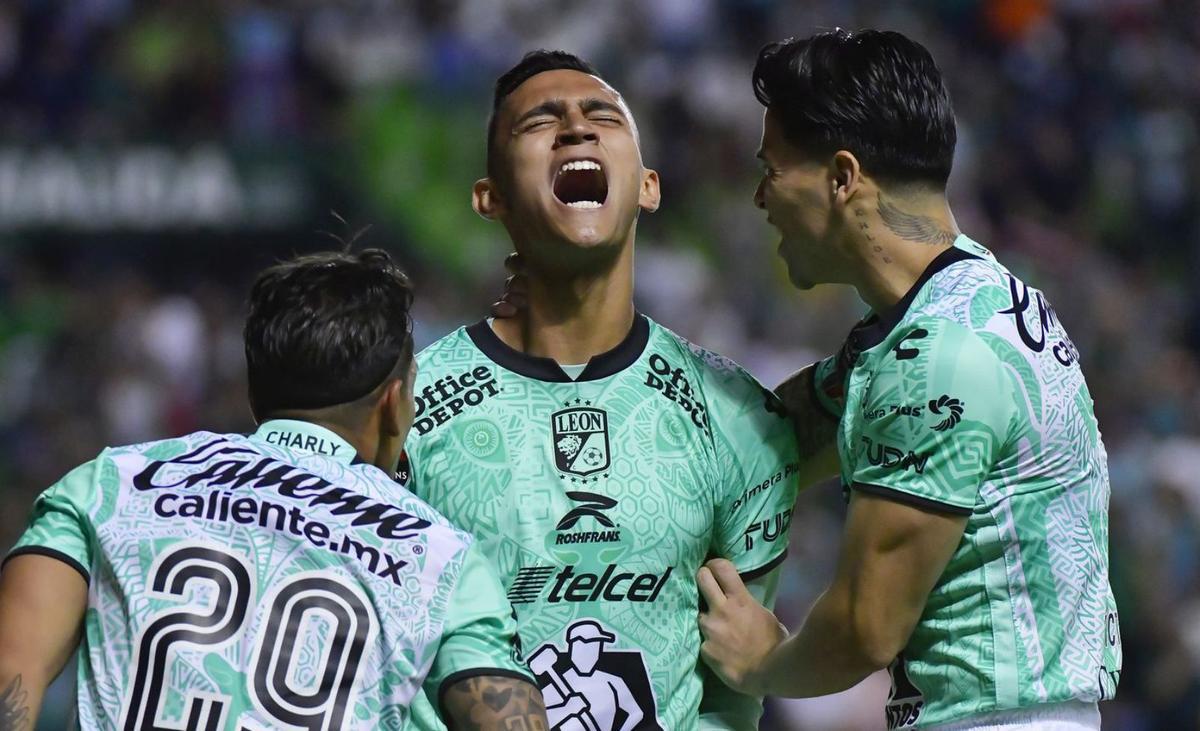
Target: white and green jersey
[(968, 398), (265, 582), (599, 498)]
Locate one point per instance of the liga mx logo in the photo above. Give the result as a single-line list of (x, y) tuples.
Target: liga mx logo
[(580, 440)]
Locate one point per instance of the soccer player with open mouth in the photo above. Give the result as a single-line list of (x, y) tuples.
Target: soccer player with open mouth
[(598, 457), (974, 559)]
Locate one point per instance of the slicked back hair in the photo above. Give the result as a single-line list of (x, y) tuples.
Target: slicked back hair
[(877, 94), (326, 329), (532, 64)]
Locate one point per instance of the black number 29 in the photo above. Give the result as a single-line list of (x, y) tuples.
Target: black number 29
[(322, 708)]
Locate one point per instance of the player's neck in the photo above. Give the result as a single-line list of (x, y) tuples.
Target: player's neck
[(905, 236), (571, 319), (363, 439)]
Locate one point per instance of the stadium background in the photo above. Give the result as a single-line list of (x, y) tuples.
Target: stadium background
[(153, 155)]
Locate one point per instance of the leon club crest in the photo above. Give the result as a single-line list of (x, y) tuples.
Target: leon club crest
[(580, 440)]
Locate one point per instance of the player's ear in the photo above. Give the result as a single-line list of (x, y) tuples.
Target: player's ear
[(649, 196), (393, 411), (485, 199), (846, 177)]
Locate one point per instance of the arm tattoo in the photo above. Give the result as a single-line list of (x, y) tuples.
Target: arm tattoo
[(815, 428), (14, 707), (913, 227), (495, 703)]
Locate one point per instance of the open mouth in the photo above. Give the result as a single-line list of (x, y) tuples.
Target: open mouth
[(581, 184)]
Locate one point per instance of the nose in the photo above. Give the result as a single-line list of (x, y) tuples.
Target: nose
[(758, 196), (575, 130)]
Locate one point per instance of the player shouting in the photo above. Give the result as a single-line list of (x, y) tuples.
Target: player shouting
[(599, 458), (276, 581), (975, 553)]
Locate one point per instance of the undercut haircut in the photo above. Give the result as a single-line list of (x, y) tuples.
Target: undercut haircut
[(532, 64), (877, 94), (326, 329)]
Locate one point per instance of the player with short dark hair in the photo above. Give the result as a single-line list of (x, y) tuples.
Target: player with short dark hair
[(974, 561), (278, 580), (878, 93), (531, 65), (597, 456)]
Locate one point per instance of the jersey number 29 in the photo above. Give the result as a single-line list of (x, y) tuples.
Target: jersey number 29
[(322, 708)]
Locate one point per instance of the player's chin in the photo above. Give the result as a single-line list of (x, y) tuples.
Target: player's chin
[(593, 230), (799, 279)]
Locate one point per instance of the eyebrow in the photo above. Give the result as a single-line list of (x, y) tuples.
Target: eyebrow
[(558, 108), (553, 107), (592, 104)]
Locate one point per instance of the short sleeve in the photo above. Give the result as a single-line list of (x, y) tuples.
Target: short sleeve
[(757, 461), (934, 420), (479, 636), (829, 386), (59, 526)]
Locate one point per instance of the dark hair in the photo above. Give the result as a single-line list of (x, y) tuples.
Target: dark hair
[(326, 329), (530, 65), (875, 93)]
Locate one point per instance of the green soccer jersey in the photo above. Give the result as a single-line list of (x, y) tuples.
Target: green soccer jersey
[(599, 498), (968, 398), (265, 582)]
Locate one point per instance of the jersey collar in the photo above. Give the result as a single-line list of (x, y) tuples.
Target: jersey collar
[(600, 366), (871, 330), (304, 436)]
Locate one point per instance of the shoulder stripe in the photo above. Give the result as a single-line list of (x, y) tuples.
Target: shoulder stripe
[(763, 570), (908, 498), (49, 553)]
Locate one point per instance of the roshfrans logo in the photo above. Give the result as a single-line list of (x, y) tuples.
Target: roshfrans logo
[(593, 506), (581, 440)]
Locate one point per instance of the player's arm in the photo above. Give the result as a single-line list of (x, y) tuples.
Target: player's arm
[(721, 707), (756, 467), (814, 424), (894, 555), (815, 398), (478, 677), (43, 595), (42, 603), (938, 420), (494, 703)]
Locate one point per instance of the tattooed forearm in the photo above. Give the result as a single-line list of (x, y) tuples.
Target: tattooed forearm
[(914, 227), (14, 707), (815, 428), (495, 703)]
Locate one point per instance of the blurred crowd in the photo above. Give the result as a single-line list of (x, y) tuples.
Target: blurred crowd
[(1077, 161)]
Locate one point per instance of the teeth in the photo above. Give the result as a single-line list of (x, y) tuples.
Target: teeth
[(584, 204), (580, 165)]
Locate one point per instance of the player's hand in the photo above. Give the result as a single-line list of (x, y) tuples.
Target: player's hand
[(575, 706), (516, 289), (739, 633)]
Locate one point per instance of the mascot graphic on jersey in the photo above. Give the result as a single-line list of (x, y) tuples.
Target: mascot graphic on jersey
[(589, 687)]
